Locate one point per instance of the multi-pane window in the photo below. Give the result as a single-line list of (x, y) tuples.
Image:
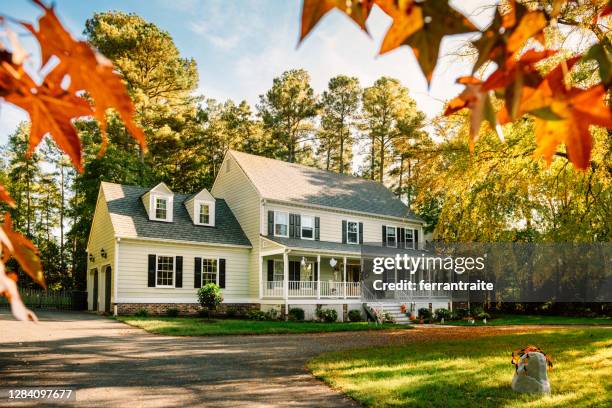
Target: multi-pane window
[(391, 237), (204, 214), (307, 227), (279, 273), (410, 238), (161, 208), (352, 232), (165, 271), (281, 224), (209, 271)]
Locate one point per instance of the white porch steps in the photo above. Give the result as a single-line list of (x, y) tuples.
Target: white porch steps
[(395, 310)]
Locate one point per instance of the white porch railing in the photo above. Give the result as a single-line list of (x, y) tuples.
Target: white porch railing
[(329, 289)]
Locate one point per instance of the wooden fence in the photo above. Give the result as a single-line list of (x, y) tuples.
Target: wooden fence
[(50, 300)]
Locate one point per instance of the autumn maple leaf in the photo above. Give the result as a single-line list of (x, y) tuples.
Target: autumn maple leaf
[(314, 10), (14, 244), (479, 103), (407, 19), (563, 114), (88, 71)]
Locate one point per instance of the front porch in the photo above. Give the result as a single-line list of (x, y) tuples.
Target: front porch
[(302, 275)]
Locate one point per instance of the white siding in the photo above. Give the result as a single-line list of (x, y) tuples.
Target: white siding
[(133, 271), (331, 223), (100, 237), (244, 201)]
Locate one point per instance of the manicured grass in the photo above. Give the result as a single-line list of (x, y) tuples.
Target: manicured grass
[(191, 326), (502, 320), (475, 372)]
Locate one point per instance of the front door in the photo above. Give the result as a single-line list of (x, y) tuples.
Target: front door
[(352, 273), (107, 289), (95, 290)]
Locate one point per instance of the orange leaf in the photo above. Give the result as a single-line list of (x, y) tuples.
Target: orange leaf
[(478, 101), (314, 10), (24, 251), (6, 197), (407, 19), (88, 71), (530, 25)]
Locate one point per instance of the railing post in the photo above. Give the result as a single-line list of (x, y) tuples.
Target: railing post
[(344, 276), (318, 276), (286, 281), (261, 279)]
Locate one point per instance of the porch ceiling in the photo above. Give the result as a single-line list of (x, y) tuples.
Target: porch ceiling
[(310, 246)]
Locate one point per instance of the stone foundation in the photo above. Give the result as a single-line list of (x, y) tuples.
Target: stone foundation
[(159, 309)]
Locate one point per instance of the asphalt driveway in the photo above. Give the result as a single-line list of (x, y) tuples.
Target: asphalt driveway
[(113, 364)]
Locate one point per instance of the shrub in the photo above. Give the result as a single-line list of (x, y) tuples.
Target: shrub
[(210, 297), (231, 312), (483, 315), (355, 315), (461, 313), (476, 311), (172, 312), (256, 315), (443, 313), (271, 314), (296, 314), (327, 315), (141, 313), (424, 313)]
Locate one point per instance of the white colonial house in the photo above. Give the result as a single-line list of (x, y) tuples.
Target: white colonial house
[(270, 233)]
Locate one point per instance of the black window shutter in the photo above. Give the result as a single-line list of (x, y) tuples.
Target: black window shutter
[(270, 223), (316, 271), (361, 232), (344, 231), (291, 225), (401, 238), (270, 270), (317, 228), (197, 273), (384, 235), (298, 225), (151, 276), (222, 273), (179, 272), (416, 239)]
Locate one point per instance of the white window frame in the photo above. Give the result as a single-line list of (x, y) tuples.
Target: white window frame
[(202, 269), (412, 243), (347, 232), (276, 213), (388, 228), (197, 208), (278, 272), (302, 226), (173, 270), (169, 207)]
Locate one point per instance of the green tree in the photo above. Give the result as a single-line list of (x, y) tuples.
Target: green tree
[(339, 112), (287, 111), (385, 105)]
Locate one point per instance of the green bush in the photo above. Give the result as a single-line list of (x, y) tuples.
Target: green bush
[(388, 318), (475, 311), (443, 313), (424, 313), (256, 315), (355, 315), (483, 315), (141, 313), (327, 315), (271, 314), (172, 312), (210, 297), (231, 312), (296, 314), (461, 313)]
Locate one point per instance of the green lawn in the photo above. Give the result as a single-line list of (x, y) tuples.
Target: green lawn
[(191, 326), (475, 372), (502, 320)]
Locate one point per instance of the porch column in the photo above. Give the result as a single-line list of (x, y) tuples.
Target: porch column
[(286, 281), (344, 275), (318, 276), (261, 281)]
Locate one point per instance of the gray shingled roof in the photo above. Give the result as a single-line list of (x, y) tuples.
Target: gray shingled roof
[(130, 219), (315, 245), (296, 183)]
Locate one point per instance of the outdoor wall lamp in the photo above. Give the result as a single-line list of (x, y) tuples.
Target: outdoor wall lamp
[(103, 253), (303, 261), (92, 258)]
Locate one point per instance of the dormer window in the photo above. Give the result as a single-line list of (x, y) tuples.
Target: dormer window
[(161, 209), (204, 214)]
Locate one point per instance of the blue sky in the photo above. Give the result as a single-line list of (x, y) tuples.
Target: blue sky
[(241, 45)]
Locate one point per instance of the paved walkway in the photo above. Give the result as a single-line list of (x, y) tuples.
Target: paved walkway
[(113, 364)]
